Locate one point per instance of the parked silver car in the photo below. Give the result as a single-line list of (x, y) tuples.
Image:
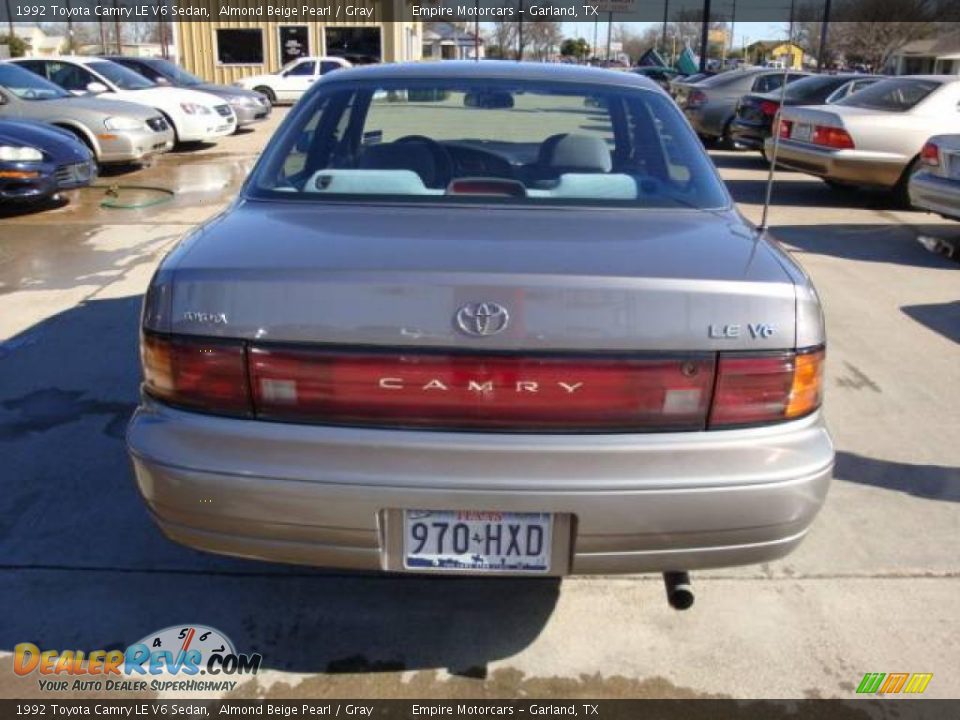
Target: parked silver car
[(463, 320), (250, 107), (711, 104), (872, 138), (936, 185), (116, 131)]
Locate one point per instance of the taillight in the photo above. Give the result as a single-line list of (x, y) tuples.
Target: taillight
[(784, 128), (769, 107), (930, 154), (696, 98), (209, 375), (754, 389), (833, 137), (490, 391), (499, 391)]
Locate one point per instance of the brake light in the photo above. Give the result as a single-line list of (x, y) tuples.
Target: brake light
[(930, 154), (505, 392), (490, 391), (696, 98), (833, 137), (769, 107), (754, 389), (784, 128), (204, 374)]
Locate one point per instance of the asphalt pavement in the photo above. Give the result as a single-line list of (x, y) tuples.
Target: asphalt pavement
[(872, 589)]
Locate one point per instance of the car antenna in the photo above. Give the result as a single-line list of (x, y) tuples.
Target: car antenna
[(776, 128)]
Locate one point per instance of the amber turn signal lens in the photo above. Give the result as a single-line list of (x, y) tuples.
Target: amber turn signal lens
[(807, 389)]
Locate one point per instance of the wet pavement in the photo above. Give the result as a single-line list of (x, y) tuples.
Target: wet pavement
[(872, 589)]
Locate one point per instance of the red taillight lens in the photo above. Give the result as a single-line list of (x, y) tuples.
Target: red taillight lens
[(696, 98), (769, 107), (205, 374), (784, 128), (833, 137), (491, 392), (766, 388), (930, 154)]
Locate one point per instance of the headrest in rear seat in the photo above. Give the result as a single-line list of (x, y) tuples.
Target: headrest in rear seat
[(577, 153)]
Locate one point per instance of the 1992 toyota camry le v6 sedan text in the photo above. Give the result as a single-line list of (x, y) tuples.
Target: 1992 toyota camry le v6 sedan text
[(486, 318)]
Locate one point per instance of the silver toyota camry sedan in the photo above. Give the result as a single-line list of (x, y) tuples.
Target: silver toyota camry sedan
[(487, 318)]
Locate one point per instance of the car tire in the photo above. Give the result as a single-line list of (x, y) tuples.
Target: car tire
[(901, 191), (176, 133), (726, 139), (268, 93)]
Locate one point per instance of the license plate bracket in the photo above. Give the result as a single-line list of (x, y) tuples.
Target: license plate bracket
[(802, 132), (398, 545)]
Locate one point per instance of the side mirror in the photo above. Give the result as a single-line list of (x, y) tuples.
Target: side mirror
[(97, 88)]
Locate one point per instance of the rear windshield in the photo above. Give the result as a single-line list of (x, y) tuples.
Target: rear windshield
[(462, 141), (896, 95), (815, 85)]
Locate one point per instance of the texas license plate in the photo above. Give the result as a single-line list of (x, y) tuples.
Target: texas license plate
[(802, 132), (470, 541)]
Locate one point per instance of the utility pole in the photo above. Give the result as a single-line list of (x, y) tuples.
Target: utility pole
[(666, 16), (116, 28), (822, 50), (520, 35), (10, 26), (705, 36), (103, 37), (476, 33), (593, 50), (609, 34), (733, 24)]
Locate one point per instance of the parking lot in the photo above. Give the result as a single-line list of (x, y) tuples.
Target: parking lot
[(871, 590)]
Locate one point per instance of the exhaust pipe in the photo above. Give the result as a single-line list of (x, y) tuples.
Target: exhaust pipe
[(679, 590)]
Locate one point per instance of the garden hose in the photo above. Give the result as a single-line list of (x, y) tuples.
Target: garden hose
[(113, 196)]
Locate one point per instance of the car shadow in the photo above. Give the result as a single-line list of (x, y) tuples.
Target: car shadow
[(16, 209), (886, 243), (738, 159), (84, 567), (943, 318), (935, 482), (809, 192)]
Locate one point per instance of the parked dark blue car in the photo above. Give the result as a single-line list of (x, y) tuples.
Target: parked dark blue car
[(37, 161)]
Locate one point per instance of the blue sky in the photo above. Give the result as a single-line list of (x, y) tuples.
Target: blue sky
[(743, 31)]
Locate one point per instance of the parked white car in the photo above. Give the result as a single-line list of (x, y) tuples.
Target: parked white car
[(195, 116), (292, 80)]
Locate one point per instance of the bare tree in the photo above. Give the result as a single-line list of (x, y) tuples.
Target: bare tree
[(636, 44), (545, 36), (502, 38)]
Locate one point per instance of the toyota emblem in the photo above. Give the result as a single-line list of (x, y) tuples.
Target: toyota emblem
[(480, 319)]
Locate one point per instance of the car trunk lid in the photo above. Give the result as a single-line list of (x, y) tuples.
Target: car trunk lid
[(586, 280)]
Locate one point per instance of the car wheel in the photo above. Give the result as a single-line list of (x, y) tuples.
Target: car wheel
[(268, 93), (901, 191), (176, 135), (726, 139)]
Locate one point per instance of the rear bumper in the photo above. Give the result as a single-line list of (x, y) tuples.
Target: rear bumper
[(857, 167), (639, 503), (936, 194), (748, 135)]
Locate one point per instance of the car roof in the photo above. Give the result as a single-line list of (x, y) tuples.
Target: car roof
[(493, 70), (76, 59)]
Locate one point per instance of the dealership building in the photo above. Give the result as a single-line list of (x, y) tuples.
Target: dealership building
[(229, 47)]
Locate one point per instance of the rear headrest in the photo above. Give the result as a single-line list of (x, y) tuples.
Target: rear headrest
[(576, 153), (414, 156)]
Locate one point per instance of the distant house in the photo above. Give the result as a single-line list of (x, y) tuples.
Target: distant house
[(38, 42), (939, 56), (446, 41), (776, 53)]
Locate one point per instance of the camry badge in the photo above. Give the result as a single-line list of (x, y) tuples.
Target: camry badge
[(479, 319)]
